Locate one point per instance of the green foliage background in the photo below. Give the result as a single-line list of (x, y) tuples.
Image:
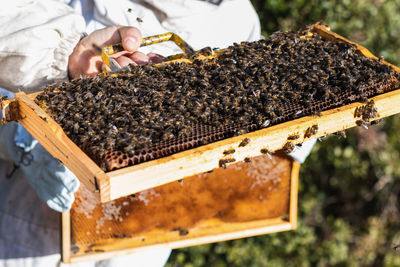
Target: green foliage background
[(349, 188)]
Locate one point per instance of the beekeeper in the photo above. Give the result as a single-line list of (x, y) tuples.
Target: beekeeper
[(46, 41)]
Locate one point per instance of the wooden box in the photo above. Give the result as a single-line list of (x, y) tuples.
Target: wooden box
[(167, 212), (129, 180), (246, 199)]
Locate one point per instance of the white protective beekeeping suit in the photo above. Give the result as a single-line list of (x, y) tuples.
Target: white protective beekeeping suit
[(36, 38)]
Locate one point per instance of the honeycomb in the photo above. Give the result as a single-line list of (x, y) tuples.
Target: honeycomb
[(154, 111)]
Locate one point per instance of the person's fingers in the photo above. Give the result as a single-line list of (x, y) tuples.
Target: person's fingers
[(139, 58), (85, 59), (123, 61), (131, 38), (155, 58)]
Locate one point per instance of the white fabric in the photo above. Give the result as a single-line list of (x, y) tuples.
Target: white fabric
[(35, 43), (300, 154), (36, 38)]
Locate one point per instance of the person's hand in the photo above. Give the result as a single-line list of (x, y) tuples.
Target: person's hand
[(85, 60), (52, 181)]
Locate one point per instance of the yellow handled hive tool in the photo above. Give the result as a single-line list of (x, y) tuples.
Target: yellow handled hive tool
[(107, 51)]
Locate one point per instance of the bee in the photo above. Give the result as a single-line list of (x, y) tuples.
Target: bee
[(293, 137), (230, 151), (247, 159), (265, 151), (182, 232), (288, 147), (310, 131), (341, 134), (358, 111), (222, 162), (254, 85), (362, 123), (139, 20), (244, 142)]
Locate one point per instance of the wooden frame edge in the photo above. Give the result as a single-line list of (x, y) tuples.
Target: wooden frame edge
[(51, 136), (143, 176), (66, 237), (103, 184), (274, 225), (326, 32), (279, 227), (294, 193)]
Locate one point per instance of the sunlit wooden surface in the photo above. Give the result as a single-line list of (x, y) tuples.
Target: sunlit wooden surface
[(242, 200)]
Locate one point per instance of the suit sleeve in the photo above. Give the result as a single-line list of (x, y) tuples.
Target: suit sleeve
[(36, 39)]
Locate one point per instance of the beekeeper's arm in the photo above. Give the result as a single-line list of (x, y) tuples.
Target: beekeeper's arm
[(39, 42), (37, 39)]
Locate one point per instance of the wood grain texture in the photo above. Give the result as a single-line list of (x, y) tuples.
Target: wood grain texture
[(294, 192), (66, 237)]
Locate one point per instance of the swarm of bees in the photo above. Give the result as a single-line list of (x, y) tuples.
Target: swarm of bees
[(257, 83)]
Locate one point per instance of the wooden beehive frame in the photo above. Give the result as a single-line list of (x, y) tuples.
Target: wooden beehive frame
[(216, 232), (129, 180)]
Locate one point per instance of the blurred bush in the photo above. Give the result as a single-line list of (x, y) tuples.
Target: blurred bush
[(349, 188)]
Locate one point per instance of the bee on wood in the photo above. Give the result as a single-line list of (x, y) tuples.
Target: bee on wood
[(253, 86), (222, 162), (230, 151), (182, 232), (293, 137), (247, 159), (265, 151), (244, 142), (288, 147), (310, 131), (341, 134), (358, 111)]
